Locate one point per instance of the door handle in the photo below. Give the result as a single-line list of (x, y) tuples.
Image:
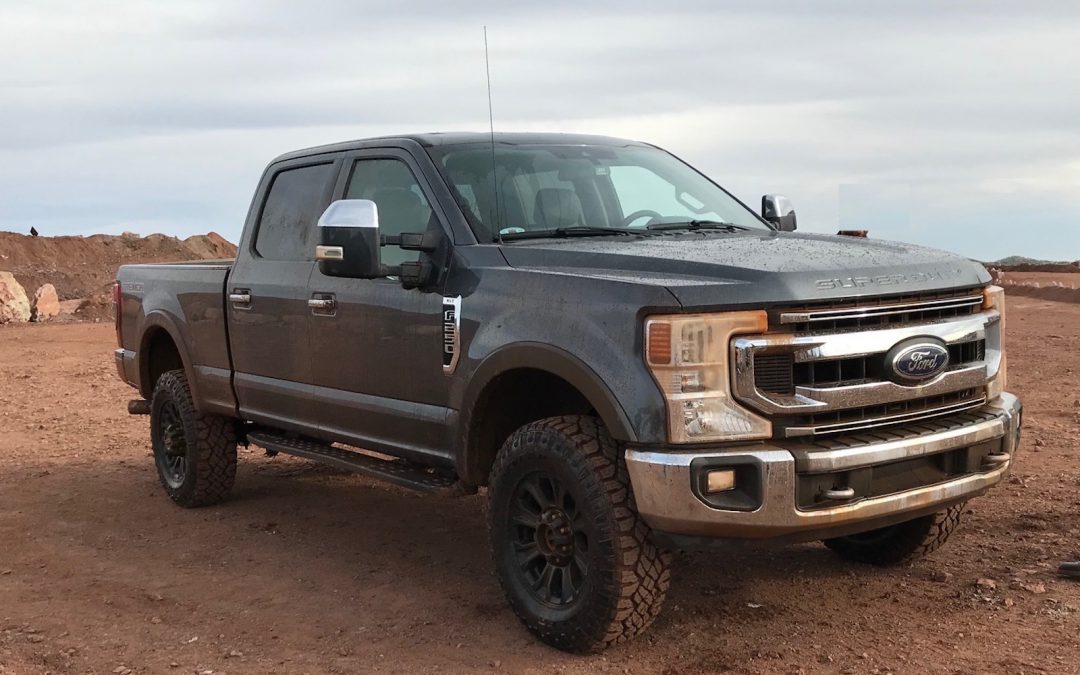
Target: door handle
[(322, 304), (240, 297)]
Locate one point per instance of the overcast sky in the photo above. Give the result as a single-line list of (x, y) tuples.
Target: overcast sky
[(950, 124)]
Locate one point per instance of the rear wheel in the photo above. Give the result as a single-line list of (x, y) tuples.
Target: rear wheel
[(195, 453), (572, 555), (900, 543)]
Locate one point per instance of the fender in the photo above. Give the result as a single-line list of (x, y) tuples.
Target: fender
[(540, 356), (168, 323)]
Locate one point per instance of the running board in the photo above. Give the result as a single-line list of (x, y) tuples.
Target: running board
[(394, 471)]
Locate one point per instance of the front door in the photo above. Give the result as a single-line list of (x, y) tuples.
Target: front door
[(378, 348), (269, 318)]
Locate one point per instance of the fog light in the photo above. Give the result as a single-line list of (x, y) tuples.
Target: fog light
[(720, 481)]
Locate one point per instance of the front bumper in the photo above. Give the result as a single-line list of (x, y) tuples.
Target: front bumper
[(666, 496)]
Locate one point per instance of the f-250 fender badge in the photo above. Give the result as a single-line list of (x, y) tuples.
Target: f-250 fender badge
[(451, 333)]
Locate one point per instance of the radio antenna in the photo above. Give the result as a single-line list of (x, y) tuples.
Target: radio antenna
[(491, 127)]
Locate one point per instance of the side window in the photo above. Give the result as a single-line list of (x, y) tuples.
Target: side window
[(292, 208), (401, 203)]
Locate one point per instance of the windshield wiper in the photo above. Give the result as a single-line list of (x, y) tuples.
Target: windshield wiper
[(697, 225), (572, 231)]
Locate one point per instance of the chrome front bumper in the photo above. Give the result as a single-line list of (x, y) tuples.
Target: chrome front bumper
[(663, 483)]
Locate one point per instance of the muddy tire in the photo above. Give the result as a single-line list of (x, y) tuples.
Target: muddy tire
[(576, 562), (900, 543), (195, 453)]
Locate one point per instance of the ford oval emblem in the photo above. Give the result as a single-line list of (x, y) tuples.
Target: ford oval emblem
[(916, 360)]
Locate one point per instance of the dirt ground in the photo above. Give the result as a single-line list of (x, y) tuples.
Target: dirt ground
[(307, 570)]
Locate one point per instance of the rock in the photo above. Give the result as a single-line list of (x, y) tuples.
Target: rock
[(14, 306), (1039, 443), (72, 306), (1037, 588), (989, 584), (941, 576), (45, 303)]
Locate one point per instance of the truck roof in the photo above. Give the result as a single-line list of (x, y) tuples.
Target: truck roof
[(462, 137)]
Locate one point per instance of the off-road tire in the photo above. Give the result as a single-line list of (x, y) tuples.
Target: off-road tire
[(900, 543), (627, 576), (208, 444)]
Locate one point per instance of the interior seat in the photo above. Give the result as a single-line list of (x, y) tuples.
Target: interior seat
[(558, 207)]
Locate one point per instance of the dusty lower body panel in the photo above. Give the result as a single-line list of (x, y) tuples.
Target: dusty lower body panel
[(772, 482)]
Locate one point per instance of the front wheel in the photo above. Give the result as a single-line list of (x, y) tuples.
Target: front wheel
[(573, 557), (195, 453), (900, 543)]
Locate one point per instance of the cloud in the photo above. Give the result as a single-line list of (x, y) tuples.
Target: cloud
[(160, 116)]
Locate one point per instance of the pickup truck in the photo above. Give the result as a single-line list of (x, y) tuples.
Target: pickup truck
[(624, 356)]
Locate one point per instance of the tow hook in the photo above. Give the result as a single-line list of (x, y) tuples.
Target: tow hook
[(995, 459), (138, 406), (839, 494)]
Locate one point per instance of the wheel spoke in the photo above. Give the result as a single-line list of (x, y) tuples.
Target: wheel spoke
[(527, 553), (566, 585), (525, 519), (575, 574), (532, 488), (543, 581), (580, 563)]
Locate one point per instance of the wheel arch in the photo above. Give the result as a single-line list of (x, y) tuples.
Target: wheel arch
[(515, 374), (161, 349)]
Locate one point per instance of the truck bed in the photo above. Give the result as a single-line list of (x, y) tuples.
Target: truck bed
[(186, 302)]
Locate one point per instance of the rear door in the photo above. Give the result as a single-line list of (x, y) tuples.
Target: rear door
[(378, 364), (269, 319)]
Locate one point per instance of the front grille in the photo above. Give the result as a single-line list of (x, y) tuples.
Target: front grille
[(862, 438), (884, 414), (820, 371), (779, 374), (880, 312)]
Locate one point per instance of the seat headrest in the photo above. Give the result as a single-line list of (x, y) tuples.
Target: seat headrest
[(558, 207)]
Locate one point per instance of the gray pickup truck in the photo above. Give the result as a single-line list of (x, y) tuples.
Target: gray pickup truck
[(629, 359)]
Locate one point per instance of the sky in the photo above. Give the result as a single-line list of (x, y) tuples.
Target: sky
[(949, 124)]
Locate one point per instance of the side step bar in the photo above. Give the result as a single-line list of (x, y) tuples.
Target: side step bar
[(392, 470)]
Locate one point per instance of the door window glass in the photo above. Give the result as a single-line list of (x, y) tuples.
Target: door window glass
[(397, 195), (287, 225)]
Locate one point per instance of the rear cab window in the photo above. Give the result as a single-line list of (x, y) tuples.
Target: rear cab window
[(296, 198)]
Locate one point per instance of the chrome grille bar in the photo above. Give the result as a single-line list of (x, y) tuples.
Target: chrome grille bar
[(883, 420), (815, 315)]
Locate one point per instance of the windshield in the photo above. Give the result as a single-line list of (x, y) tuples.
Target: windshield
[(556, 189)]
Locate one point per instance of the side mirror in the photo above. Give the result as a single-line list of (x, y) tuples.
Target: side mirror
[(777, 209), (349, 240), (349, 244)]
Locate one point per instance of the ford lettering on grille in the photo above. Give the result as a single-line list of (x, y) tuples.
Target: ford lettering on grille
[(917, 360)]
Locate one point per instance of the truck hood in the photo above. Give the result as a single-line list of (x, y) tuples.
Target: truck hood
[(718, 269)]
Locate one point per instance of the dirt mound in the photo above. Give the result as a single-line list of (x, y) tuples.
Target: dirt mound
[(1055, 293), (1064, 268), (84, 267)]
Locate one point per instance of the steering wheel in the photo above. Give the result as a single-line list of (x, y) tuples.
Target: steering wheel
[(638, 215)]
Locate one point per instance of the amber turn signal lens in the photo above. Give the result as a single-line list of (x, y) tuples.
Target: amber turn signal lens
[(659, 339)]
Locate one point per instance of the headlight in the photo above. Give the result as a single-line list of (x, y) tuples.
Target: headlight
[(994, 298), (689, 356)]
